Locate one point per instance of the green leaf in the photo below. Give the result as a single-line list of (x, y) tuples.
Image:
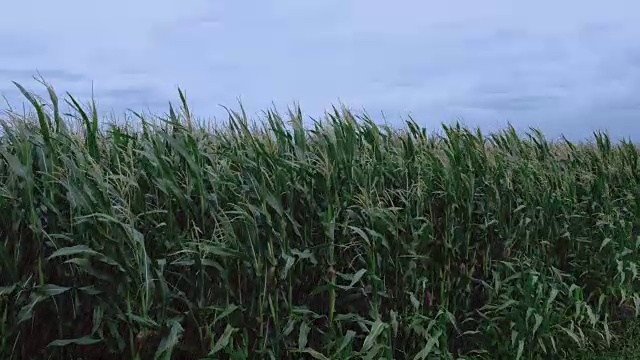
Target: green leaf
[(537, 323), (394, 322), (288, 329), (16, 166), (169, 342), (85, 340), (289, 261), (362, 234), (7, 290), (230, 309), (98, 313), (572, 335), (72, 250), (274, 203), (224, 340), (373, 352), (376, 329), (414, 301), (357, 276), (552, 297), (519, 208), (604, 243), (303, 336), (51, 290), (42, 117), (90, 290), (426, 350), (520, 349), (348, 337), (314, 354)]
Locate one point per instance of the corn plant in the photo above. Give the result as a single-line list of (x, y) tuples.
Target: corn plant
[(162, 238)]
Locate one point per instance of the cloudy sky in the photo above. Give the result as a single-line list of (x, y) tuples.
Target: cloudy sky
[(566, 67)]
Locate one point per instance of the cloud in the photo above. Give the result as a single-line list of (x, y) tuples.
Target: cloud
[(566, 66), (49, 75), (18, 47), (134, 98)]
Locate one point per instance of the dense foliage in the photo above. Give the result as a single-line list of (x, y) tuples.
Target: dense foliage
[(340, 240)]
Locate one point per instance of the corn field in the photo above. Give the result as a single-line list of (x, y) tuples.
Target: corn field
[(340, 240)]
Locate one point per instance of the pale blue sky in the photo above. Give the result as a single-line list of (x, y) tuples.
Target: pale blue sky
[(563, 66)]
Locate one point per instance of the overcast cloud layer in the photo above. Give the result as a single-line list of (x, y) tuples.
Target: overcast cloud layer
[(566, 67)]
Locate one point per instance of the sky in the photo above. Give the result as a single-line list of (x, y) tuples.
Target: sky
[(568, 67)]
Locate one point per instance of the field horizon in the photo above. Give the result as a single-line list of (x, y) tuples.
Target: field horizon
[(133, 118)]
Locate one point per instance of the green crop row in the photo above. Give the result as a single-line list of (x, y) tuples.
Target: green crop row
[(342, 239)]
